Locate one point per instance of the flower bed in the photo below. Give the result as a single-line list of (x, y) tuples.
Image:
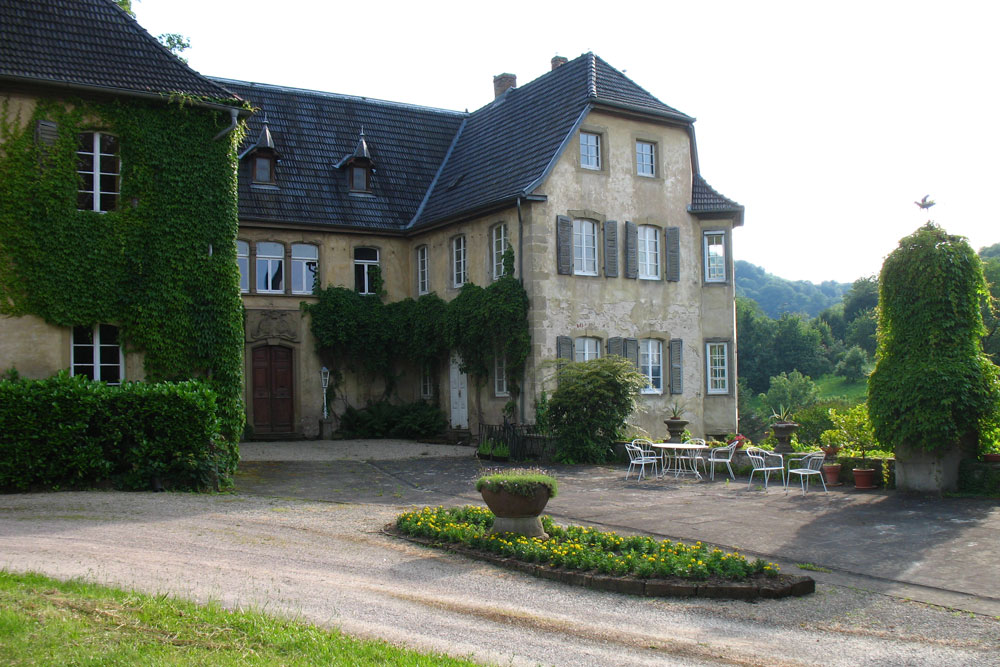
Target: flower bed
[(582, 549)]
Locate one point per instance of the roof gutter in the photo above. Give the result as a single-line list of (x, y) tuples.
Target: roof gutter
[(107, 90)]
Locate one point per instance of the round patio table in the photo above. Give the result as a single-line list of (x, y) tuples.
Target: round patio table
[(683, 455)]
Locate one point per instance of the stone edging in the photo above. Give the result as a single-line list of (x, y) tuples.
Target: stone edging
[(780, 586)]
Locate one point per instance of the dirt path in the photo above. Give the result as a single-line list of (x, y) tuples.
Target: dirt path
[(330, 563)]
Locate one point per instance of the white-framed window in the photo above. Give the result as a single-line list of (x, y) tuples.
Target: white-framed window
[(715, 257), (423, 276), (586, 348), (585, 247), (459, 273), (649, 252), (305, 259), (365, 266), (243, 262), (645, 158), (500, 375), (590, 150), (98, 168), (498, 242), (426, 382), (270, 267), (96, 352), (651, 364), (717, 360)]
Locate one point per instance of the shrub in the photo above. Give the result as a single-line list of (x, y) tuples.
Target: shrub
[(388, 420), (790, 390), (70, 431), (815, 419), (591, 405), (852, 430), (852, 366)]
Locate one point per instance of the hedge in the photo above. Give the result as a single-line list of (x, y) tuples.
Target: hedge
[(72, 432)]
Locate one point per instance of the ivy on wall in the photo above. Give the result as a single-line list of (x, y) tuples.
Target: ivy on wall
[(162, 266), (361, 333)]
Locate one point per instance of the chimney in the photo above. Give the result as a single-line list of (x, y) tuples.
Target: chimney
[(559, 61), (501, 82)]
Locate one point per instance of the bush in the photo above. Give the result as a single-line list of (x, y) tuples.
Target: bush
[(590, 407), (70, 431), (790, 390), (852, 366), (851, 430), (815, 419), (387, 420)]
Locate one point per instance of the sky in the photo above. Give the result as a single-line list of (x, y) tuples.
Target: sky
[(825, 120)]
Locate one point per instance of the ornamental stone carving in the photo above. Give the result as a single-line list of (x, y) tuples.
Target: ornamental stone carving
[(273, 325)]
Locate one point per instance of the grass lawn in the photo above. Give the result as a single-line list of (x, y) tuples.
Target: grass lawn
[(833, 386), (51, 622)]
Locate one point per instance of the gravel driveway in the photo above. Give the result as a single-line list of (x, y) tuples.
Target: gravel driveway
[(330, 563)]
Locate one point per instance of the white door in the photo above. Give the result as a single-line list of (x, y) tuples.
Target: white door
[(459, 382)]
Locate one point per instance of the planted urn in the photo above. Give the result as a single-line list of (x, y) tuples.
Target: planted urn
[(517, 497)]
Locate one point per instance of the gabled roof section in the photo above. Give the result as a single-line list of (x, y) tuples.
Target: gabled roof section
[(313, 131), (92, 45), (507, 147), (708, 204)]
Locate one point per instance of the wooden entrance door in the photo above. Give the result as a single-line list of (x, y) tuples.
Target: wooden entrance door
[(272, 390)]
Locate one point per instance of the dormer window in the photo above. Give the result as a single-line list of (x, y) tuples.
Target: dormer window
[(359, 166), (360, 178), (263, 157), (263, 169)]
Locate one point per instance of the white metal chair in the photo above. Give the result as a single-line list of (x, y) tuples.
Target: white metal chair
[(804, 467), (765, 462), (639, 457), (692, 455), (722, 455)]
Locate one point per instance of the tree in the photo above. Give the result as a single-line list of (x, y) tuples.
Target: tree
[(862, 296), (852, 366), (861, 331), (933, 387), (174, 42), (798, 346), (991, 307), (755, 341), (790, 390)]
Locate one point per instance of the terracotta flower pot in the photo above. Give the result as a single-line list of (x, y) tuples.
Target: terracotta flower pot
[(864, 478), (831, 474)]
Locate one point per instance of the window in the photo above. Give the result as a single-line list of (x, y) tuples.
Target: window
[(98, 167), (500, 243), (270, 267), (459, 275), (243, 261), (423, 279), (649, 252), (715, 257), (365, 267), (360, 178), (263, 169), (717, 358), (651, 364), (645, 158), (585, 247), (587, 348), (500, 375), (426, 382), (97, 353), (590, 150), (305, 258)]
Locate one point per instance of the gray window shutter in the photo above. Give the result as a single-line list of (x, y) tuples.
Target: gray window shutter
[(46, 132), (632, 350), (564, 347), (676, 368), (616, 346), (564, 245), (673, 253), (631, 250), (611, 248)]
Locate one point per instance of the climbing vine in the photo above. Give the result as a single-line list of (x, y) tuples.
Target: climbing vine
[(162, 266), (361, 333)]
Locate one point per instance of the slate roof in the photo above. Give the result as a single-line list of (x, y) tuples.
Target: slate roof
[(91, 44), (313, 131), (705, 201)]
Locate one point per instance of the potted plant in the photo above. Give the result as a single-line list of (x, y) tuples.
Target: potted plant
[(501, 452), (517, 497), (853, 430), (782, 426), (831, 468), (485, 450), (676, 422)]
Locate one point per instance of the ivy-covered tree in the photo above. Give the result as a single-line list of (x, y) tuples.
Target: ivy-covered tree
[(933, 387)]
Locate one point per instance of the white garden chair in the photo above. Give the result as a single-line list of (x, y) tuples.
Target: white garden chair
[(805, 467), (765, 462), (718, 455), (637, 456), (692, 455)]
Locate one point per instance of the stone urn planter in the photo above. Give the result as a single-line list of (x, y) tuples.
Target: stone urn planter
[(783, 434), (517, 497), (676, 428)]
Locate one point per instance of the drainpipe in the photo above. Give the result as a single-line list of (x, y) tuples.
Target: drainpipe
[(520, 276), (234, 117)]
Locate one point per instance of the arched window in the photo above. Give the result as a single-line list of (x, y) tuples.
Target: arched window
[(305, 259), (270, 267), (98, 168)]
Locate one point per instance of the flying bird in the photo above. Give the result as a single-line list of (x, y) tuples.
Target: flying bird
[(925, 203)]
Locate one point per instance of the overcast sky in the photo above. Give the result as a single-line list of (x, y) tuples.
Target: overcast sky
[(825, 120)]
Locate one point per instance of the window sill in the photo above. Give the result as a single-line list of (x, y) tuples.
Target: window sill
[(264, 186), (656, 278), (652, 392), (591, 275)]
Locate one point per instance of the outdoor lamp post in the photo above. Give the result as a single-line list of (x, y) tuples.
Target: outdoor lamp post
[(324, 376)]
